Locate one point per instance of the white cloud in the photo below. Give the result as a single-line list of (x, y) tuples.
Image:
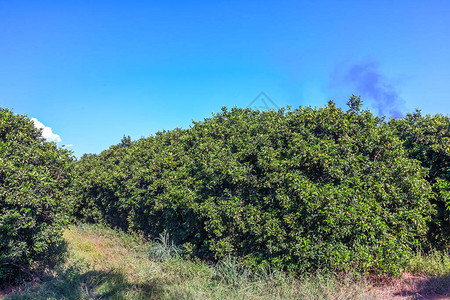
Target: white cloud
[(47, 132)]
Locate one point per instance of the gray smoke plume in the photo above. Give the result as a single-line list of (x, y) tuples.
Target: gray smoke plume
[(365, 80)]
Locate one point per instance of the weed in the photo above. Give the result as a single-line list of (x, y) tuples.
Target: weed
[(164, 249)]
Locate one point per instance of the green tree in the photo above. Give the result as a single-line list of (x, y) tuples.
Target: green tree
[(427, 139), (34, 182)]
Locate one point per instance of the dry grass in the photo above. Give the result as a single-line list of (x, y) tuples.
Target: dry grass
[(105, 253), (105, 264)]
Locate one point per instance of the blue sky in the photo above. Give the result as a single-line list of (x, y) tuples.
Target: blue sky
[(96, 71)]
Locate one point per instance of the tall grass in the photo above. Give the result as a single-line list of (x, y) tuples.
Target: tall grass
[(163, 249), (435, 263)]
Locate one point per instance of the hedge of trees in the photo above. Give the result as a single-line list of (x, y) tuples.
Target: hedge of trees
[(34, 179), (298, 189)]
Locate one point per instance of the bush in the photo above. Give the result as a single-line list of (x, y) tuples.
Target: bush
[(427, 139), (299, 189), (34, 176)]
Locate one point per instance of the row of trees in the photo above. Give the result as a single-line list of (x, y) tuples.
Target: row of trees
[(297, 189)]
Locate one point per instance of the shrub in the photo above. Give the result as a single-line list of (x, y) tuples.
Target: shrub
[(34, 176), (299, 189), (427, 139)]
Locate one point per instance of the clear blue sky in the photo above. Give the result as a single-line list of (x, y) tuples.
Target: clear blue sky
[(94, 71)]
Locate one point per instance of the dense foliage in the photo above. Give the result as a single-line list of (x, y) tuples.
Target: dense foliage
[(427, 139), (34, 177), (299, 189)]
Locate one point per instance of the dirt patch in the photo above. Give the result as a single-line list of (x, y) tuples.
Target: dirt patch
[(414, 287)]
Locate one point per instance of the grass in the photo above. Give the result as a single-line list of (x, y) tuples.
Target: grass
[(102, 263), (434, 264)]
